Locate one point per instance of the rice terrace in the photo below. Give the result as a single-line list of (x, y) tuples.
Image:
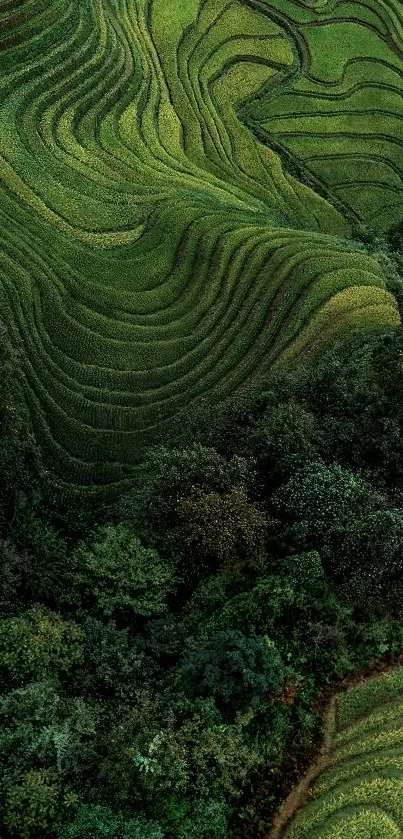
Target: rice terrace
[(180, 183), (359, 795)]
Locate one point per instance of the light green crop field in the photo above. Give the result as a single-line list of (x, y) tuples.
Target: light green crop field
[(360, 795), (156, 249)]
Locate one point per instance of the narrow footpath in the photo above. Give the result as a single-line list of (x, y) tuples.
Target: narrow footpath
[(297, 797)]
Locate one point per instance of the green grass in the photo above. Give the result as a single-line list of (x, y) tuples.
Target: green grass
[(360, 794), (156, 250)]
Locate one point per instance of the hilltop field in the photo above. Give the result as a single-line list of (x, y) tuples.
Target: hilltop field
[(182, 184)]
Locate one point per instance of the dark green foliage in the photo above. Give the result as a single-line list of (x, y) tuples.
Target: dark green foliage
[(10, 575), (37, 644), (286, 433), (39, 724), (372, 554), (112, 665), (395, 237), (171, 749), (319, 500), (45, 747), (320, 622), (115, 576), (222, 530), (201, 820), (42, 566), (237, 670), (30, 805), (159, 658), (99, 822), (169, 476), (357, 395)]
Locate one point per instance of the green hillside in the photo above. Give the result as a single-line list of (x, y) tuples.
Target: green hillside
[(156, 246), (360, 795)]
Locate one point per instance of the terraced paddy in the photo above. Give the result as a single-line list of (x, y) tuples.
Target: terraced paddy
[(360, 794), (156, 248)]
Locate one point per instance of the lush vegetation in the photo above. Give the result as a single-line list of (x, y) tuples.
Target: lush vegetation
[(182, 184), (201, 399), (162, 659), (360, 794)]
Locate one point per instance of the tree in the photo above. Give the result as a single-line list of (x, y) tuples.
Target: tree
[(11, 563), (40, 726), (46, 750), (37, 644), (20, 466), (261, 608), (285, 434), (113, 664), (114, 576), (30, 805), (371, 557), (356, 393), (199, 819), (168, 476), (321, 501), (221, 529), (237, 670)]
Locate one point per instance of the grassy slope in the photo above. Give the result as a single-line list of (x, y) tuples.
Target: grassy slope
[(360, 795), (154, 250)]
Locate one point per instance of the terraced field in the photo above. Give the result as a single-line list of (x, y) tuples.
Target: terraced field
[(156, 248), (339, 111), (360, 795)]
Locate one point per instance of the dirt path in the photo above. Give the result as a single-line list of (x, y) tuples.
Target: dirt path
[(297, 797)]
